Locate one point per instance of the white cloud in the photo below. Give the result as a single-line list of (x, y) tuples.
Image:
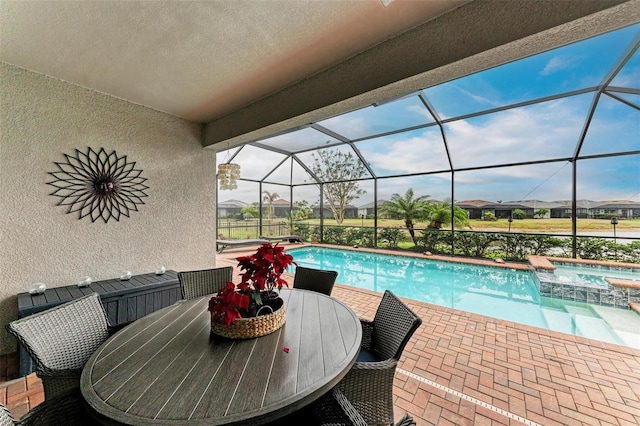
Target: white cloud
[(480, 99), (415, 154), (627, 78), (561, 63), (542, 131)]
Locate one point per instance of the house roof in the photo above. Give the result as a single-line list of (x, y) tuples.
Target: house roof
[(232, 204), (280, 202), (371, 204), (619, 205), (538, 204), (473, 203)]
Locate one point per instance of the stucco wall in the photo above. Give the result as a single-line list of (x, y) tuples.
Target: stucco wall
[(44, 118)]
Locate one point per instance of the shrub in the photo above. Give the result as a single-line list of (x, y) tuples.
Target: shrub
[(436, 241), (518, 214), (591, 248), (302, 230), (488, 216), (391, 236), (515, 246), (474, 244), (335, 235)]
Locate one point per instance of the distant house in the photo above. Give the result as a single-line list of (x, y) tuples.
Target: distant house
[(583, 209), (368, 209), (280, 207), (475, 208), (505, 210), (350, 211), (621, 209), (556, 209), (478, 208), (230, 208)]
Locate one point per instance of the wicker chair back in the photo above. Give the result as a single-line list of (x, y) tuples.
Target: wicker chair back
[(65, 409), (6, 419), (60, 340), (194, 284), (393, 326), (318, 280)]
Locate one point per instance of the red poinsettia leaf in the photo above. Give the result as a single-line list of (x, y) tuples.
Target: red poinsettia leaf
[(229, 318), (262, 271), (282, 282)]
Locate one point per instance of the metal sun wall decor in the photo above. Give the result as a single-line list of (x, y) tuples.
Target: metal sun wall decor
[(98, 185)]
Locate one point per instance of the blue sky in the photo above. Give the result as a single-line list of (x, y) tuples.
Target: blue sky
[(544, 131)]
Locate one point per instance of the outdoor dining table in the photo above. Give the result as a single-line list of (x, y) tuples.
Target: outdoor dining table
[(168, 369)]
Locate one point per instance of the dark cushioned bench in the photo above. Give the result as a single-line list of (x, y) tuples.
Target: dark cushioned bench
[(239, 243), (124, 301), (290, 238)]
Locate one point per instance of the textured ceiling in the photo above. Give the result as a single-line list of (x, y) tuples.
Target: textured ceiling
[(197, 59), (249, 68)]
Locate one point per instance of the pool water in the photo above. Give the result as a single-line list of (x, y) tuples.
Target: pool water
[(590, 275), (502, 293)]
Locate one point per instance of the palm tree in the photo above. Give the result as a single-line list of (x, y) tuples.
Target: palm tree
[(291, 217), (269, 198), (439, 214), (406, 208)]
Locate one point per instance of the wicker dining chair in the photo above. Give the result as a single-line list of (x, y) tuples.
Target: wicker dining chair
[(334, 409), (204, 282), (64, 409), (60, 340), (369, 383), (318, 280)]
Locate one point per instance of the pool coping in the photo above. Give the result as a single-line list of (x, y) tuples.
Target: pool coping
[(498, 263)]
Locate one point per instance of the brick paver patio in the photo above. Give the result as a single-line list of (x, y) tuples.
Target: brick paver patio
[(467, 369)]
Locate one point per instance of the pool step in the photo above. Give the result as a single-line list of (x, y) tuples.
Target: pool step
[(587, 325), (557, 320)]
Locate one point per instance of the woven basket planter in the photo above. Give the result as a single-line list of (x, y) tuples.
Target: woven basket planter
[(248, 328)]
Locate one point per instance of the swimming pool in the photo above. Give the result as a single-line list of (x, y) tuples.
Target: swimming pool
[(496, 292)]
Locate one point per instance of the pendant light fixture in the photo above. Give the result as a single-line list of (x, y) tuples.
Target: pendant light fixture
[(228, 174)]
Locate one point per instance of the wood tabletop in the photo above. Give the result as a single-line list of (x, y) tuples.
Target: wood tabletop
[(167, 368)]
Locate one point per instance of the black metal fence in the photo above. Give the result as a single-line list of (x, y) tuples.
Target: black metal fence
[(491, 245)]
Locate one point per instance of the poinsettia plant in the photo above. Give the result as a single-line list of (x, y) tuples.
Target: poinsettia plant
[(261, 273), (229, 303), (263, 269)]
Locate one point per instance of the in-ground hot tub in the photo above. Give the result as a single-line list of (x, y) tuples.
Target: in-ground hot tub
[(595, 282)]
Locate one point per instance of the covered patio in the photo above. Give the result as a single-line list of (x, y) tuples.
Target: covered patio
[(117, 117), (465, 369)]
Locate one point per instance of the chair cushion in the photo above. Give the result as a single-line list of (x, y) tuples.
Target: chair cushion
[(366, 356)]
